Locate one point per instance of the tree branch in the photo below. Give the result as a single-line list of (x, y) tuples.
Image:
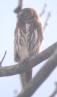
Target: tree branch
[(43, 10), (3, 58), (46, 21), (55, 91), (28, 63), (20, 3), (40, 77)]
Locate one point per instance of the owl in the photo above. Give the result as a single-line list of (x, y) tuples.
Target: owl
[(27, 38)]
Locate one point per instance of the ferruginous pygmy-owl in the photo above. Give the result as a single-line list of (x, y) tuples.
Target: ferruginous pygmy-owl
[(28, 38)]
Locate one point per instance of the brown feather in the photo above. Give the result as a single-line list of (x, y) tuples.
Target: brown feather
[(28, 38)]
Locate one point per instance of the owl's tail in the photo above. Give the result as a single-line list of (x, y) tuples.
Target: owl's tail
[(26, 77)]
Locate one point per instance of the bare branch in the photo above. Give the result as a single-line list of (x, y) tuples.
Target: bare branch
[(17, 10), (3, 58), (40, 77), (46, 21), (28, 63), (54, 92), (43, 10), (56, 86), (20, 3), (9, 70)]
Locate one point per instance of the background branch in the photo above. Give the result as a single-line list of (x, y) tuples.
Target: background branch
[(55, 91), (3, 58), (20, 3), (43, 10), (47, 19)]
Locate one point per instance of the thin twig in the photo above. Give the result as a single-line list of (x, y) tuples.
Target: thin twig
[(43, 10), (3, 58), (47, 19)]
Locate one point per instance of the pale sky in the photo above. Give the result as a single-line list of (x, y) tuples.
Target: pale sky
[(7, 26)]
